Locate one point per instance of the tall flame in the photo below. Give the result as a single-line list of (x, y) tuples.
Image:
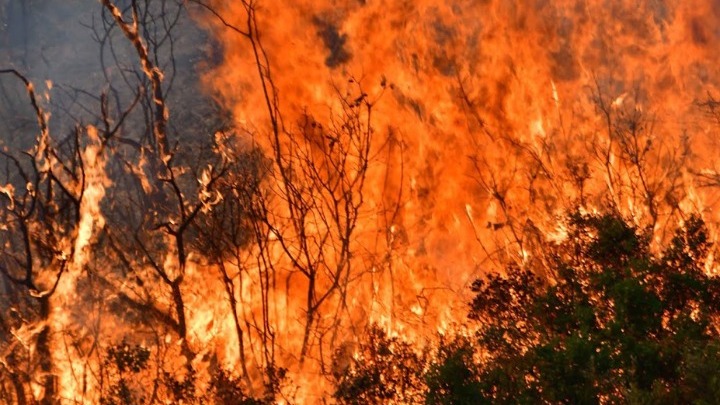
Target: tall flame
[(490, 120), (408, 147), (69, 359)]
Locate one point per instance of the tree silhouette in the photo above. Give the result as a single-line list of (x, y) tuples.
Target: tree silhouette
[(266, 231), (614, 321)]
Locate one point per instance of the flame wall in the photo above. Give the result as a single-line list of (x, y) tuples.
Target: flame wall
[(492, 119), (488, 121)]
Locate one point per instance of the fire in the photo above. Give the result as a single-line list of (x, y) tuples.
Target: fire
[(70, 361), (485, 107), (406, 148)]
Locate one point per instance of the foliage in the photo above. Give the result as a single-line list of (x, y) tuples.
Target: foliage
[(451, 377), (122, 362), (126, 369), (385, 369), (615, 322), (228, 390)]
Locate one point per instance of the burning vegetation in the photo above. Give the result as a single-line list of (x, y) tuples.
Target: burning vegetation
[(359, 202)]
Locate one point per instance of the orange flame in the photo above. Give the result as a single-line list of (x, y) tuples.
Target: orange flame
[(412, 146), (494, 113), (70, 362)]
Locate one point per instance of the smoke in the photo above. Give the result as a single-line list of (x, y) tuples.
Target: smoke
[(474, 125), (75, 46)]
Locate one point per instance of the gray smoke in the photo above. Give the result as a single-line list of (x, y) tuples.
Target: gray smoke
[(75, 44)]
